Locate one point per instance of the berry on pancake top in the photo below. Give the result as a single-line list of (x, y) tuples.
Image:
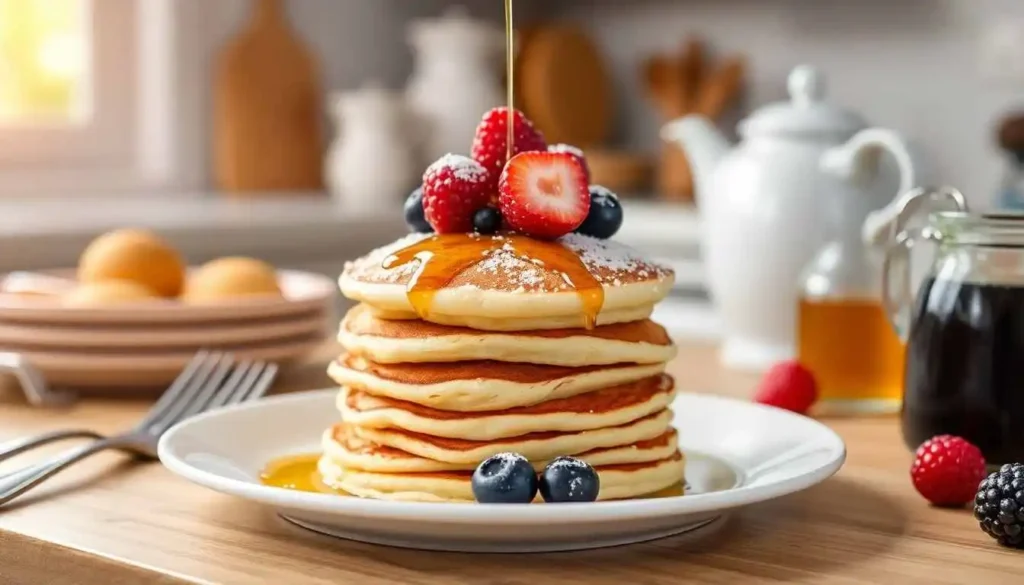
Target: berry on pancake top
[(543, 191)]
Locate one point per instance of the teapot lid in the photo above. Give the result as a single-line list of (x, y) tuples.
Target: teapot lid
[(806, 113), (454, 25), (370, 96)]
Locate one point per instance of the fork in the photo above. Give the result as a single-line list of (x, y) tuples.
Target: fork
[(210, 380)]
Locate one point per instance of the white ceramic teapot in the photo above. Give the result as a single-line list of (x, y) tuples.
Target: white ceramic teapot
[(372, 164), (456, 79), (764, 205)]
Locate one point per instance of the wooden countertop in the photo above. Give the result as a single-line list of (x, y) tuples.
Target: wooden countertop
[(112, 520)]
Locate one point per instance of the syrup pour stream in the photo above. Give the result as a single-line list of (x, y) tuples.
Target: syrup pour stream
[(510, 75), (443, 257)]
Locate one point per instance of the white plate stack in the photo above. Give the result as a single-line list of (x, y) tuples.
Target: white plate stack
[(145, 345)]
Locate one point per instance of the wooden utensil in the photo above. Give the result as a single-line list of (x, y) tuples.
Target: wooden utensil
[(267, 134), (626, 173), (721, 88), (564, 85), (682, 84)]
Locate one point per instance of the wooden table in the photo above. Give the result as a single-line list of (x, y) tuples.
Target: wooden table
[(112, 520)]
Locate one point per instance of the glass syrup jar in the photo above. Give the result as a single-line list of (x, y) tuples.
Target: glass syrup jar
[(965, 328), (843, 335)]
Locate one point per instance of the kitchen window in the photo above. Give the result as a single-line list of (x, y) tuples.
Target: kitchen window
[(99, 96)]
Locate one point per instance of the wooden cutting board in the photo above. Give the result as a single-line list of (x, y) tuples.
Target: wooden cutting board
[(564, 85), (267, 134)]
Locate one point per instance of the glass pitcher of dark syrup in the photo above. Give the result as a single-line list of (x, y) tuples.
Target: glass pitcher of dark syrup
[(964, 371)]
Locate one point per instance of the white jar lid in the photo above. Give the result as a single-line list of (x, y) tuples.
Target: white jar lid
[(805, 114)]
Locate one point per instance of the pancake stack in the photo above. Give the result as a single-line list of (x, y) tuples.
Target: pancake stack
[(477, 345)]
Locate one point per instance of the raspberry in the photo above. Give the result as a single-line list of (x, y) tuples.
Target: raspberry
[(947, 470), (788, 385), (454, 188), (490, 145), (543, 194)]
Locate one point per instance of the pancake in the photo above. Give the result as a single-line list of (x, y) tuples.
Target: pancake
[(607, 407), (505, 288), (411, 341), (617, 481), (343, 447), (480, 385), (533, 446)]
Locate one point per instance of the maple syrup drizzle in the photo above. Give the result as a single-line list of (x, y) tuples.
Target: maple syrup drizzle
[(299, 473), (443, 257)]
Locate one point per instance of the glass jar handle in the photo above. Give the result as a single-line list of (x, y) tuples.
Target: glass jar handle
[(897, 307), (893, 219)]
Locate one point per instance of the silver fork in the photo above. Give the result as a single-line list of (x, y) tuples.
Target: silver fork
[(211, 380)]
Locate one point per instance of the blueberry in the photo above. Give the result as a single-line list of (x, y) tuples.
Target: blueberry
[(414, 217), (505, 478), (486, 220), (568, 479), (605, 216)]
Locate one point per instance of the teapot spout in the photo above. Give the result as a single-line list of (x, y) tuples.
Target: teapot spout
[(702, 143)]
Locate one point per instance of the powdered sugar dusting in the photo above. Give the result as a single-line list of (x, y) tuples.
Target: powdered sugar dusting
[(507, 457), (369, 265), (509, 269), (605, 196), (566, 148), (610, 261), (462, 167), (568, 463)]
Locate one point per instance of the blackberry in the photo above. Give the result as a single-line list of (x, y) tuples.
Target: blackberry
[(999, 505)]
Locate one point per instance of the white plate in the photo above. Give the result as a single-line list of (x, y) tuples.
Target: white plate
[(738, 453)]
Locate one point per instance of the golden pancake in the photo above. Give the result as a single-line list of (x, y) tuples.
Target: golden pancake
[(480, 385), (412, 340), (606, 407), (607, 317), (512, 283), (617, 481), (343, 447), (533, 446)]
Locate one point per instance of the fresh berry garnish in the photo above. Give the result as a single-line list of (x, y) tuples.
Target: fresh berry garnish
[(505, 478), (543, 194), (999, 505), (454, 187), (575, 152), (568, 479), (490, 145), (486, 221), (605, 216), (788, 385), (947, 469), (414, 217)]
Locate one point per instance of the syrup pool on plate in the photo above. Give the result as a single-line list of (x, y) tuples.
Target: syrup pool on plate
[(442, 257)]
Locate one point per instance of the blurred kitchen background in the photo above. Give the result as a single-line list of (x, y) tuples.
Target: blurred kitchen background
[(154, 113)]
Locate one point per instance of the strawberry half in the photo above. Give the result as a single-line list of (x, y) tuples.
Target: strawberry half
[(544, 194), (454, 188), (490, 144), (576, 152)]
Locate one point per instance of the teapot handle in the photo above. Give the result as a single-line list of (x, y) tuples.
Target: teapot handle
[(857, 161)]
